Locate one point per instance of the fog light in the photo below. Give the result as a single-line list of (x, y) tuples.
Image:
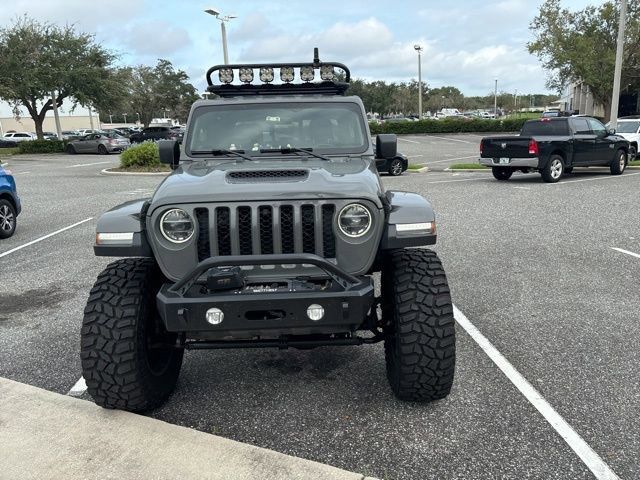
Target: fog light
[(215, 316), (315, 312)]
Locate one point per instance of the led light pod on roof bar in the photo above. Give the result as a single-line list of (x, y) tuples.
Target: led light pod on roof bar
[(246, 75), (286, 74), (327, 72), (225, 75), (266, 74), (306, 74)]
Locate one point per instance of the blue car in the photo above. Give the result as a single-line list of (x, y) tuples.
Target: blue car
[(9, 204)]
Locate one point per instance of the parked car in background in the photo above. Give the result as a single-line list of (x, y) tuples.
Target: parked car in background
[(179, 132), (629, 128), (18, 137), (553, 146), (394, 166), (551, 114), (9, 204), (86, 131), (70, 134), (153, 133), (47, 135), (102, 143)]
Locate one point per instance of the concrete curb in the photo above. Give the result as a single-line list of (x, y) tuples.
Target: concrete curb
[(419, 170), (4, 164), (46, 435), (107, 171)]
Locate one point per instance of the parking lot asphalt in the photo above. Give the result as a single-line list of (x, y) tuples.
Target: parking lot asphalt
[(440, 151), (530, 264)]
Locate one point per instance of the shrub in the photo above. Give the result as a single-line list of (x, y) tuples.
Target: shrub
[(449, 125), (41, 146), (143, 155)]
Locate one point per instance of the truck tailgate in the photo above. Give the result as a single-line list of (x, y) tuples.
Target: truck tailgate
[(510, 147)]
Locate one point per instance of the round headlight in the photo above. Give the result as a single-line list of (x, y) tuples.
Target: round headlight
[(354, 220), (176, 225)]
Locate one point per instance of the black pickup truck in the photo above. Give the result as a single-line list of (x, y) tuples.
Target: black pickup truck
[(553, 146)]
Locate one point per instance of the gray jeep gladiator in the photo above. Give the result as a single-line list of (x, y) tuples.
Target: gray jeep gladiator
[(268, 233)]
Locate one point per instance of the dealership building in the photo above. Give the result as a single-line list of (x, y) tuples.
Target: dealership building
[(70, 119)]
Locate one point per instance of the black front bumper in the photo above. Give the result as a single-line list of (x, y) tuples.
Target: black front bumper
[(346, 304)]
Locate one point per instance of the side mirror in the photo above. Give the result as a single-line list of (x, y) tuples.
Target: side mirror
[(611, 131), (386, 145), (169, 153)]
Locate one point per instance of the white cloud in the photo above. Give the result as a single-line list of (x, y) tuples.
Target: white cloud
[(156, 38)]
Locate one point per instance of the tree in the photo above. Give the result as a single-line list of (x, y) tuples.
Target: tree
[(581, 46), (39, 59), (153, 90)]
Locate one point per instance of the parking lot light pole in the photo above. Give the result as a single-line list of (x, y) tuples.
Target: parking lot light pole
[(495, 99), (615, 98), (54, 104), (419, 49), (223, 19)]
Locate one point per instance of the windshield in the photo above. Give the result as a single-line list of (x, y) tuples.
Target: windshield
[(325, 127), (628, 127), (537, 127)]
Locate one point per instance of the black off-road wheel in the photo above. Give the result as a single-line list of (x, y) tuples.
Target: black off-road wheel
[(501, 173), (633, 153), (420, 346), (129, 360), (553, 170), (395, 167), (619, 163)]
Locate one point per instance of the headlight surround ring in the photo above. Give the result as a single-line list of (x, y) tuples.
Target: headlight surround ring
[(355, 211), (179, 217)]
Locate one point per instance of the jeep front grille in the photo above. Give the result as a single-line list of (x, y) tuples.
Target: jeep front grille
[(266, 229)]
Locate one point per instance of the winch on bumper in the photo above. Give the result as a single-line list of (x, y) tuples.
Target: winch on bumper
[(337, 303)]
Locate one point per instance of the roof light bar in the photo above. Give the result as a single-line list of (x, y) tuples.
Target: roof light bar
[(331, 83)]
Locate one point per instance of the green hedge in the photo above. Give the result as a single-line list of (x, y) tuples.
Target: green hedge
[(143, 155), (449, 125), (41, 146)]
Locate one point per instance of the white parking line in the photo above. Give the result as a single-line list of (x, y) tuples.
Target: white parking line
[(405, 140), (611, 177), (3, 254), (625, 251), (452, 159), (591, 459), (78, 388), (464, 180), (86, 164), (452, 139)]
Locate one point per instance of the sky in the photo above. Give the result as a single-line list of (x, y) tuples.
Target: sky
[(467, 43)]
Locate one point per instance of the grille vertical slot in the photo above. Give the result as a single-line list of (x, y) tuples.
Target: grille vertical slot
[(328, 237), (308, 229), (244, 231), (265, 214), (286, 229), (204, 242), (224, 230)]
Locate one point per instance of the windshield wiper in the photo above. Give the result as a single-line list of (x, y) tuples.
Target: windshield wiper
[(237, 153), (294, 150)]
